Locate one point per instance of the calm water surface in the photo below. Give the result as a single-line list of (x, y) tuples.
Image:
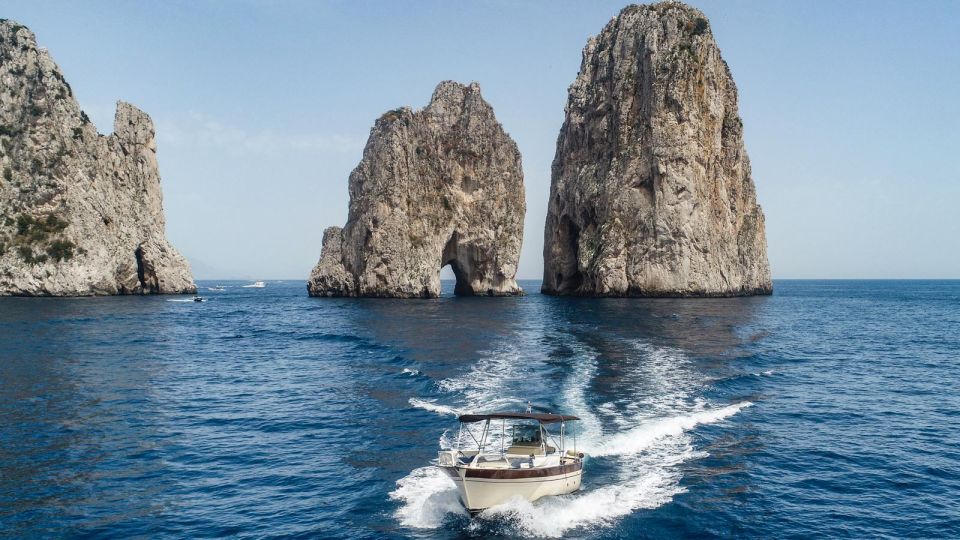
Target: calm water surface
[(830, 409)]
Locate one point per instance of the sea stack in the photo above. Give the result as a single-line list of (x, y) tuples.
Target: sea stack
[(80, 213), (438, 186), (651, 191)]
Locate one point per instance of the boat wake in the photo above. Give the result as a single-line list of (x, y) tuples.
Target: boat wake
[(427, 497), (642, 437), (650, 455), (432, 406), (597, 508), (483, 386), (635, 444)]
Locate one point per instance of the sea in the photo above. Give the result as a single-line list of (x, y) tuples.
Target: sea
[(828, 410)]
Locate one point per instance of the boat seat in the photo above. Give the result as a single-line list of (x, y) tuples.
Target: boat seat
[(484, 462), (520, 450)]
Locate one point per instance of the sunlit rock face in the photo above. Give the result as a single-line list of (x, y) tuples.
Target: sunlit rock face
[(80, 213), (651, 191), (441, 185)]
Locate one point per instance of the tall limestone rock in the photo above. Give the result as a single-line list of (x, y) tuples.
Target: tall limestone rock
[(651, 190), (442, 185), (80, 213)]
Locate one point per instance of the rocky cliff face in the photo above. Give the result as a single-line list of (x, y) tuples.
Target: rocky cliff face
[(651, 190), (80, 213), (442, 185)]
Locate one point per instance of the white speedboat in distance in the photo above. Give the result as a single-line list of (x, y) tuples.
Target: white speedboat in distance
[(216, 288), (515, 460), (255, 285)]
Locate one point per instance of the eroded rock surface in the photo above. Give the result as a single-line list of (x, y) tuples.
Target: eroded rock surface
[(651, 191), (442, 185), (80, 213)]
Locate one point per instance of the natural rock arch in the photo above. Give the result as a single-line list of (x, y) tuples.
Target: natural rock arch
[(436, 187), (451, 257)]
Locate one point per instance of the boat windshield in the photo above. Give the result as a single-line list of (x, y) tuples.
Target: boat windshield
[(527, 435)]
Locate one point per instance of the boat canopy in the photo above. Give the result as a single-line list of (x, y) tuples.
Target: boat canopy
[(543, 418)]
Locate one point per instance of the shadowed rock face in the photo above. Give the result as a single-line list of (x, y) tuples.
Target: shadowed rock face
[(651, 191), (80, 213), (442, 185)]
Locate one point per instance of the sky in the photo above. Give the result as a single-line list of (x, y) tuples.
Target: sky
[(851, 113)]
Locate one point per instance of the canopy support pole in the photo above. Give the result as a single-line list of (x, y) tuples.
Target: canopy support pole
[(563, 447), (503, 431), (479, 444), (483, 438)]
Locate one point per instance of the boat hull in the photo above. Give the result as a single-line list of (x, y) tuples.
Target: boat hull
[(480, 489)]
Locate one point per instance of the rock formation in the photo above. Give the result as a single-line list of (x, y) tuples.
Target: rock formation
[(442, 185), (651, 191), (80, 213)]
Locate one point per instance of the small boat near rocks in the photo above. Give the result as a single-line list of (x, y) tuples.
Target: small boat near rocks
[(523, 458)]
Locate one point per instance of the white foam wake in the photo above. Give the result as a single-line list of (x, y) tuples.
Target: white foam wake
[(646, 428), (640, 438), (648, 487), (649, 477), (427, 496), (575, 394), (433, 406), (496, 381)]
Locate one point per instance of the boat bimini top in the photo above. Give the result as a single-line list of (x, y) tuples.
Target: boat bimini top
[(543, 418)]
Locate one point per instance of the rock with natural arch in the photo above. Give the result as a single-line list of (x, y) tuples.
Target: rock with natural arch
[(439, 186)]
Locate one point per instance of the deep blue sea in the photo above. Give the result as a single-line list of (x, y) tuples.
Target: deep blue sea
[(831, 409)]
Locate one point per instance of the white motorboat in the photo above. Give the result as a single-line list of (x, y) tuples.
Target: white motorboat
[(216, 288), (255, 285), (524, 459)]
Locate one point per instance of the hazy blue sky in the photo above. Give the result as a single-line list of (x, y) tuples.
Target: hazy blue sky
[(851, 111)]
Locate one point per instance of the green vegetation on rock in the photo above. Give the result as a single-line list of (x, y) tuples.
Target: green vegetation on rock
[(61, 250), (391, 116), (41, 235)]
